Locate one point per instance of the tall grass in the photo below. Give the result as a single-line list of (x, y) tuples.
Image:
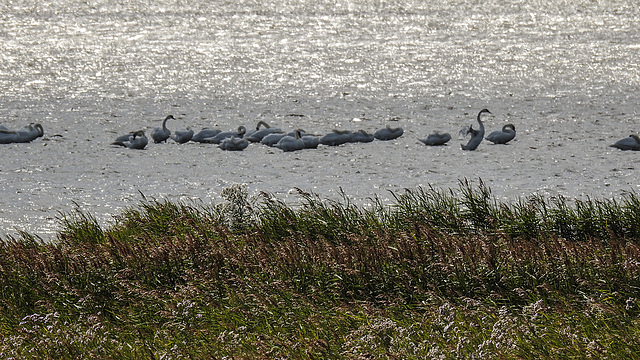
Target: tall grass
[(438, 274)]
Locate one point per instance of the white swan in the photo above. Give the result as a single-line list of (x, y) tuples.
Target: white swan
[(310, 141), (436, 138), (138, 140), (629, 143), (24, 135), (336, 137), (205, 133), (476, 135), (502, 137), (388, 133), (361, 136), (217, 139), (258, 134), (182, 136), (162, 134), (273, 138), (233, 144), (291, 143)]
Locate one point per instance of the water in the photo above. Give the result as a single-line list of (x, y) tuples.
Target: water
[(564, 72)]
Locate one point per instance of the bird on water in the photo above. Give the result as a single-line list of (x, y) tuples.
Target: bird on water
[(436, 138), (476, 135), (162, 134), (138, 140), (629, 143), (388, 133), (503, 136)]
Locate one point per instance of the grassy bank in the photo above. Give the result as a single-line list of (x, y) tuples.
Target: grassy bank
[(441, 274)]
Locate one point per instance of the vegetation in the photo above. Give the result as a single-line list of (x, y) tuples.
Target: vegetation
[(450, 274)]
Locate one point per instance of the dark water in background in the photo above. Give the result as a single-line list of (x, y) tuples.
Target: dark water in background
[(566, 73)]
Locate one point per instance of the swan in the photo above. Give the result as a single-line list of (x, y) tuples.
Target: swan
[(258, 134), (291, 143), (182, 136), (361, 136), (436, 138), (502, 137), (337, 137), (388, 133), (217, 139), (24, 135), (310, 141), (138, 140), (272, 139), (205, 133), (162, 134), (233, 144), (476, 135), (629, 143)]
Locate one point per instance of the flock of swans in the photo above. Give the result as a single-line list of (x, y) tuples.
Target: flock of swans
[(239, 139)]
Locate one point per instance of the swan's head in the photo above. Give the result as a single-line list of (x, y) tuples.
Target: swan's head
[(169, 117), (262, 123), (509, 126), (635, 137), (138, 133), (483, 111), (241, 130), (40, 129)]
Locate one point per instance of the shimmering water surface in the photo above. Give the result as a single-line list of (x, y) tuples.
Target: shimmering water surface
[(566, 73)]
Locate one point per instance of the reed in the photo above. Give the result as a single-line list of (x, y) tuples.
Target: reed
[(439, 274)]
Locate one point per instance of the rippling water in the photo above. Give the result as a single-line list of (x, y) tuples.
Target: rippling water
[(566, 73)]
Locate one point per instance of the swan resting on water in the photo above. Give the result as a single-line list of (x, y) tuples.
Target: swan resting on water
[(205, 133), (233, 144), (507, 134), (273, 138), (258, 134), (138, 140), (183, 136), (310, 141), (336, 137), (24, 135), (217, 139), (291, 143), (476, 135), (436, 138), (361, 136), (388, 133), (629, 143)]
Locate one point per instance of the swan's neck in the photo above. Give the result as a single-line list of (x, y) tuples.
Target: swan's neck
[(480, 124)]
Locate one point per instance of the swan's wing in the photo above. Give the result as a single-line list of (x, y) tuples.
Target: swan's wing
[(466, 130), (123, 138)]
